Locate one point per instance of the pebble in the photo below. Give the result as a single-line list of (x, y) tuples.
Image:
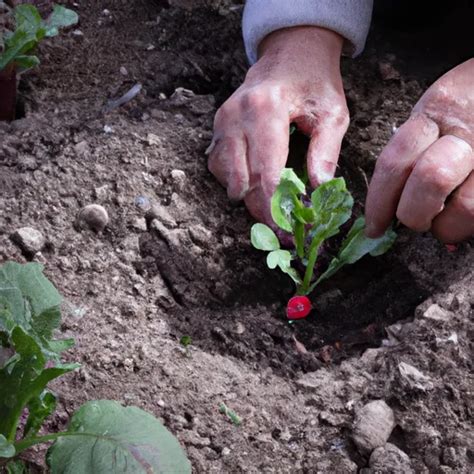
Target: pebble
[(390, 459), (94, 217), (413, 378), (140, 224), (225, 451), (29, 240), (179, 178), (436, 313), (373, 425), (161, 214)]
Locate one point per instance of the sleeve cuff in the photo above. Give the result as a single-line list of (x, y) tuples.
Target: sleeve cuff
[(349, 18)]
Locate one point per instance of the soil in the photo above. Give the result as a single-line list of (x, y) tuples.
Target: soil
[(186, 267)]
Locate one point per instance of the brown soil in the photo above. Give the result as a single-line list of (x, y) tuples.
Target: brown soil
[(135, 289)]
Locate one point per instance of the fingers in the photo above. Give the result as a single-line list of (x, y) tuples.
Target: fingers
[(324, 149), (228, 163), (437, 173), (456, 222), (393, 169), (268, 145)]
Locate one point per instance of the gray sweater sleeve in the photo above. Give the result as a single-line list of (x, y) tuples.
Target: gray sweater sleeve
[(349, 18)]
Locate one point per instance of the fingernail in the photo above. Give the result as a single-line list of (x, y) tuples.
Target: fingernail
[(325, 171), (371, 231)]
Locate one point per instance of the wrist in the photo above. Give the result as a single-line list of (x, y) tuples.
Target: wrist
[(310, 41)]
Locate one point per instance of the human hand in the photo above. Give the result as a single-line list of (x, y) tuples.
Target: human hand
[(425, 175), (297, 79)]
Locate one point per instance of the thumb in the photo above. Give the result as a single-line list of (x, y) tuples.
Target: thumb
[(323, 151)]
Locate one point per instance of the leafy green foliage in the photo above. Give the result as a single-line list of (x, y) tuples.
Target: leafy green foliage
[(105, 437), (30, 29), (311, 222)]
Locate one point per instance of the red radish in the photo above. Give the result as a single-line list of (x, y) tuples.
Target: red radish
[(451, 247), (298, 307)]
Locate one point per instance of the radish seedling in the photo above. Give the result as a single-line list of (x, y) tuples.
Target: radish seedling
[(311, 220)]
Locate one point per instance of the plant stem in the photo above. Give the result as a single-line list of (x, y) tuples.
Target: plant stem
[(312, 257), (28, 442)]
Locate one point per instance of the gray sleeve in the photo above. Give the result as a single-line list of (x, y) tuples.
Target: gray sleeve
[(349, 18)]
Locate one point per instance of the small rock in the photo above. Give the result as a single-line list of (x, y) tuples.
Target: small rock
[(436, 313), (413, 378), (94, 217), (153, 140), (140, 224), (108, 129), (161, 214), (225, 451), (29, 240), (391, 460), (179, 178), (78, 33), (123, 71), (373, 425)]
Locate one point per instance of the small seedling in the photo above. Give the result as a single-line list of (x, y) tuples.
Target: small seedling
[(233, 417), (18, 47), (311, 220), (186, 342)]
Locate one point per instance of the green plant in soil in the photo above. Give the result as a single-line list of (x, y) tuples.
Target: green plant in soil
[(312, 220), (103, 436), (17, 47)]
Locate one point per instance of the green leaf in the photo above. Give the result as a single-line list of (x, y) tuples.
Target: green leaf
[(282, 259), (24, 62), (16, 45), (60, 18), (286, 198), (27, 18), (23, 378), (332, 205), (106, 438), (263, 238), (185, 341), (39, 409), (16, 467), (356, 245), (7, 450)]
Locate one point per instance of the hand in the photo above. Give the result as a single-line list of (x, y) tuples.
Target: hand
[(425, 175), (297, 79)]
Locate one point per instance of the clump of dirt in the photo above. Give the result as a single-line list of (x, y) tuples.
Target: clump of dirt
[(175, 258)]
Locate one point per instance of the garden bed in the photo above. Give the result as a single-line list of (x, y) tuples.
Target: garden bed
[(135, 289)]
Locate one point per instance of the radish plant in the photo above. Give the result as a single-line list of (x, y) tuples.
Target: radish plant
[(103, 436), (17, 47), (311, 220)]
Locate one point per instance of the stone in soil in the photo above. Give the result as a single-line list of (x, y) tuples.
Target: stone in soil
[(30, 240), (391, 460), (94, 217), (373, 425)]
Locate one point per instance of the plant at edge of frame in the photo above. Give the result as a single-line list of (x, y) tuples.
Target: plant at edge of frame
[(17, 47), (103, 436)]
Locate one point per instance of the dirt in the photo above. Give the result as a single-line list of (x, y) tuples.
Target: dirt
[(186, 267)]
